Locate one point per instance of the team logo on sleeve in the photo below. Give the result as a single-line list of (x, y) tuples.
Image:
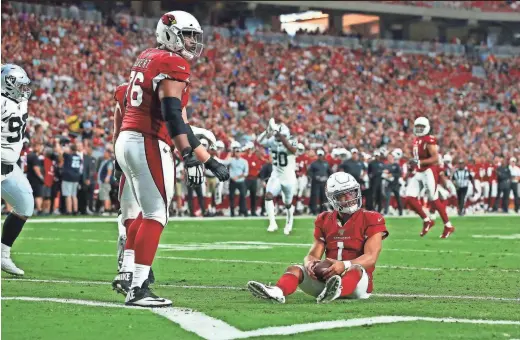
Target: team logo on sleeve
[(168, 19)]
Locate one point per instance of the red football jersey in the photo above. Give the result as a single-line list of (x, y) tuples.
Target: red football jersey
[(491, 172), (420, 151), (143, 108), (333, 162), (346, 242), (302, 163), (119, 96)]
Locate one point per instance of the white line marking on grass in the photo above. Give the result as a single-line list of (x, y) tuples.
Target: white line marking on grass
[(201, 259), (385, 295), (224, 218), (214, 329), (196, 322), (500, 237)]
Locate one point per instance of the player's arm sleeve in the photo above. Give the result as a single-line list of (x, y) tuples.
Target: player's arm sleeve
[(375, 224)]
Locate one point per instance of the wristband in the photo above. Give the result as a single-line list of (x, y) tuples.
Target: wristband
[(347, 265)]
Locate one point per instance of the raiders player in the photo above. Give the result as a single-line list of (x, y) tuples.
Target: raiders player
[(16, 189), (283, 149)]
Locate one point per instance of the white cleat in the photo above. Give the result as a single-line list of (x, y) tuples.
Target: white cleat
[(272, 228), (332, 290), (287, 230), (266, 292), (8, 266)]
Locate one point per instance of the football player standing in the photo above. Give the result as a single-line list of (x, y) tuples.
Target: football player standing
[(16, 190), (155, 120), (425, 162), (283, 149)]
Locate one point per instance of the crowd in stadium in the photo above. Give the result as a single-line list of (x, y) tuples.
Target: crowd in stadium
[(329, 97)]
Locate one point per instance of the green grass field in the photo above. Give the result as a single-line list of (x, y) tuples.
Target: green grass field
[(204, 266)]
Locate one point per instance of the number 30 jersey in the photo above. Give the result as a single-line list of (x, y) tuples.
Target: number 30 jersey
[(284, 162), (14, 120), (143, 107)]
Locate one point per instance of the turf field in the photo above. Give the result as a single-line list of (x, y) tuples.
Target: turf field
[(465, 287)]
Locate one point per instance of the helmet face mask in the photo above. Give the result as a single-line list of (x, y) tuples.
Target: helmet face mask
[(15, 83), (180, 32), (421, 127), (343, 193)]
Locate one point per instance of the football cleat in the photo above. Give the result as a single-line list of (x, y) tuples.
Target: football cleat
[(262, 291), (447, 232), (8, 266), (332, 290), (272, 228), (426, 227), (287, 230), (144, 297), (122, 282), (121, 241)]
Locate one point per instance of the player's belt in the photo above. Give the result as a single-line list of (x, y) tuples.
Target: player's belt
[(7, 169)]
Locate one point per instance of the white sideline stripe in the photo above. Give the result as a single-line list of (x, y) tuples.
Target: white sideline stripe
[(196, 322), (103, 283), (269, 262), (225, 218), (214, 329)]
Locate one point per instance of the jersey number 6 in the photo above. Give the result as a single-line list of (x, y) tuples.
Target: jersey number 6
[(135, 90)]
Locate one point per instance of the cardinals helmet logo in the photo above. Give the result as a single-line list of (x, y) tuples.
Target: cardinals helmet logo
[(168, 19)]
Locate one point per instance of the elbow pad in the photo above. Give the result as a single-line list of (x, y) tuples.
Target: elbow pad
[(171, 109)]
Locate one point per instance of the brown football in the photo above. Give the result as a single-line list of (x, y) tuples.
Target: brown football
[(320, 268)]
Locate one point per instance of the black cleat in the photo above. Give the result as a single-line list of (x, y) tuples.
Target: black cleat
[(122, 282), (144, 297)]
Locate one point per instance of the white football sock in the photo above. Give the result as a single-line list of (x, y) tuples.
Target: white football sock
[(269, 208), (120, 226), (140, 275), (128, 261), (6, 251), (448, 224), (427, 219)]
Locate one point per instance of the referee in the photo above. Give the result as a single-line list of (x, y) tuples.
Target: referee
[(461, 178)]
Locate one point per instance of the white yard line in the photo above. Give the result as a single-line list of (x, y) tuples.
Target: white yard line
[(223, 218), (214, 329), (403, 296), (201, 259)]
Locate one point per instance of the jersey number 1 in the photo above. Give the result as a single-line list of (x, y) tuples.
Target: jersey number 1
[(134, 88)]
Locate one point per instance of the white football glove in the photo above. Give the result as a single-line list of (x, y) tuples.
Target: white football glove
[(272, 126), (195, 176)]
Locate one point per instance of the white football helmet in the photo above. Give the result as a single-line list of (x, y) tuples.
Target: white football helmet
[(15, 83), (202, 133), (180, 32), (300, 149), (425, 123), (284, 130), (204, 143), (220, 145), (343, 193), (397, 153), (344, 154), (447, 159)]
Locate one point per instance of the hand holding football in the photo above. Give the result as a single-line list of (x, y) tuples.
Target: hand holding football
[(319, 269)]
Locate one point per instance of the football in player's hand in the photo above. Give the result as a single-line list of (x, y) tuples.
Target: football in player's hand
[(319, 269)]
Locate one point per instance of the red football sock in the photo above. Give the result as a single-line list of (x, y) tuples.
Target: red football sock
[(288, 283), (441, 209), (414, 204), (349, 282), (131, 231), (147, 241)]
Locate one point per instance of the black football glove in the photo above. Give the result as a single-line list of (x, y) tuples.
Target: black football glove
[(219, 170), (413, 162), (118, 172), (193, 168)]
